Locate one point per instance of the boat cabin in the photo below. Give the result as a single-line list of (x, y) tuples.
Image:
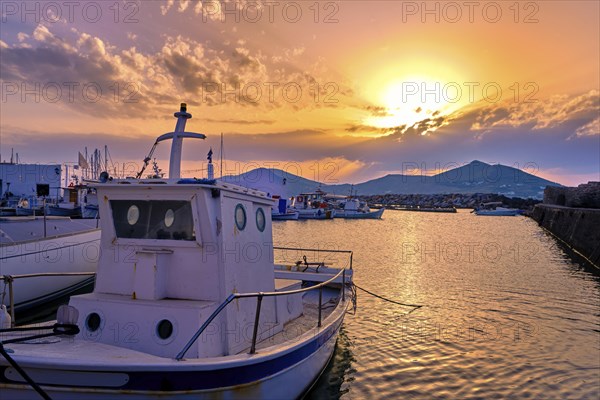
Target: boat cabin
[(175, 249), (314, 199)]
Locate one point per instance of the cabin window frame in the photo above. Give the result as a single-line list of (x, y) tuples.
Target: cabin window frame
[(235, 219), (119, 240), (259, 210)]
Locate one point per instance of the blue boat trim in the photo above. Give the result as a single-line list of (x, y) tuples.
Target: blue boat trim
[(194, 181), (202, 380)]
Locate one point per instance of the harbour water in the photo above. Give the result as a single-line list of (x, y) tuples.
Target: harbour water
[(506, 313)]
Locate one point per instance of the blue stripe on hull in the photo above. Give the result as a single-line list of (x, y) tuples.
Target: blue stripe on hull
[(202, 380)]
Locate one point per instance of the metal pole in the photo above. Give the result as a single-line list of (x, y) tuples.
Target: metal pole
[(45, 217), (344, 285), (11, 300), (255, 333), (320, 299)]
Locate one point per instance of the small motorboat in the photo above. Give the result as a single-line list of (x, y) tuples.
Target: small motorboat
[(495, 209), (282, 213), (353, 208), (188, 302)]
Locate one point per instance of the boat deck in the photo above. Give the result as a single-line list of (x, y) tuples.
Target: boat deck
[(24, 229), (307, 321), (62, 350)]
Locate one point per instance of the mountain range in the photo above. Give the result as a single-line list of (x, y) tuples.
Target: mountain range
[(475, 177)]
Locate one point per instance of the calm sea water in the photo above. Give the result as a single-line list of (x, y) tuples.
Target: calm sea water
[(506, 313)]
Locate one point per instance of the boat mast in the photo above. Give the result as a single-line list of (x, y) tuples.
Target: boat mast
[(175, 162)]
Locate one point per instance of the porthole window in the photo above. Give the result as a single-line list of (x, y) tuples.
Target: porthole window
[(260, 219), (164, 329), (169, 218), (92, 322), (240, 217), (133, 214)]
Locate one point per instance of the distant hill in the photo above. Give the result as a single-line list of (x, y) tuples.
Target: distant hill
[(475, 177)]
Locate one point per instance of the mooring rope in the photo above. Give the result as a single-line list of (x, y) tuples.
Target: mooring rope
[(414, 306)]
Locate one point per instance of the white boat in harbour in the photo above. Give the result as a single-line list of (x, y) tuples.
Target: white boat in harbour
[(185, 305), (312, 206), (353, 208), (281, 212), (495, 209), (68, 246)]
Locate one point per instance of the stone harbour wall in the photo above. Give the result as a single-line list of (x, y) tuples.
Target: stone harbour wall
[(573, 215), (586, 195)]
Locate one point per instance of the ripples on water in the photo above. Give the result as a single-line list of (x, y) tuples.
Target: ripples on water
[(506, 313)]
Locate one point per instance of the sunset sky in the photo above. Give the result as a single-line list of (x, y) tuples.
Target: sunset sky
[(339, 90)]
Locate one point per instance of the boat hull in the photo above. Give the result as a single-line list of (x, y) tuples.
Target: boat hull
[(8, 212), (69, 253), (360, 215), (500, 213), (270, 374), (316, 214), (285, 217), (63, 212), (28, 212)]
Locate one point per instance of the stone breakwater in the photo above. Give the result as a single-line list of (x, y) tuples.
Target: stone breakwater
[(573, 216), (456, 200)]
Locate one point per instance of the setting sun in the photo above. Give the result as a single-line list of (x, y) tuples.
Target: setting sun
[(414, 99)]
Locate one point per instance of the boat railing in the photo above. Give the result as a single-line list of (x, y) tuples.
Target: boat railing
[(259, 297), (299, 249), (9, 279)]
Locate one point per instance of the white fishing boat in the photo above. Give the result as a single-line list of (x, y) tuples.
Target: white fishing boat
[(281, 212), (495, 209), (188, 302), (353, 208), (312, 206), (88, 200), (69, 206), (51, 245)]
